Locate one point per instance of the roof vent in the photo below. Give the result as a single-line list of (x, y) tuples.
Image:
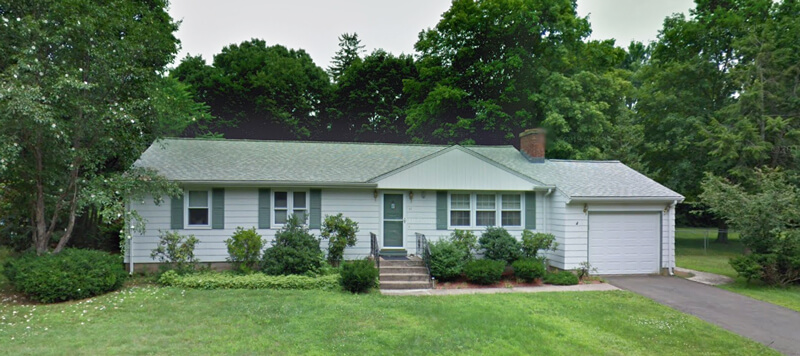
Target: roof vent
[(531, 144)]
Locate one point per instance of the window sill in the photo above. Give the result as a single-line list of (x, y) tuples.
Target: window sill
[(197, 227)]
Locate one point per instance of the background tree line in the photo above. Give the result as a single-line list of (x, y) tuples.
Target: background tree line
[(715, 94)]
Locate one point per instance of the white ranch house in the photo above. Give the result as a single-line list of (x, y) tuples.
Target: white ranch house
[(602, 212)]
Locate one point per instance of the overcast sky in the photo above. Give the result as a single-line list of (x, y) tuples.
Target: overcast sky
[(314, 25)]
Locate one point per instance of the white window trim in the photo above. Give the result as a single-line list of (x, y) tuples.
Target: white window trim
[(186, 224), (289, 205), (473, 209)]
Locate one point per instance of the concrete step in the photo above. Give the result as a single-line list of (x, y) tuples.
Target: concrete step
[(393, 252), (409, 263), (404, 277), (403, 269), (405, 285)]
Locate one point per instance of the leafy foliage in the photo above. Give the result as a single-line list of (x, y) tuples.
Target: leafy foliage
[(561, 278), (81, 96), (177, 251), (766, 220), (359, 276), (447, 259), (340, 233), (69, 275), (497, 244), (484, 271), (529, 269), (294, 251), (465, 240), (244, 249), (533, 243), (222, 280)]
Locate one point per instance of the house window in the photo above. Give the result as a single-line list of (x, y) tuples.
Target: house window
[(197, 207), (484, 209), (460, 209), (511, 214), (290, 202)]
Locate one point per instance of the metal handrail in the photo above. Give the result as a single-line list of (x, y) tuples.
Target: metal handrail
[(424, 251), (374, 249)]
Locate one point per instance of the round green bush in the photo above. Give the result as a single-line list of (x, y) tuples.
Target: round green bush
[(484, 271), (68, 275), (359, 276), (294, 251), (562, 278), (447, 260), (528, 269), (499, 245)]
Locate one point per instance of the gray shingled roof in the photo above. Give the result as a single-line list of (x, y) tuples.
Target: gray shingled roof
[(200, 160)]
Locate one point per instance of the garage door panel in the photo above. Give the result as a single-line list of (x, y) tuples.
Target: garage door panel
[(624, 243)]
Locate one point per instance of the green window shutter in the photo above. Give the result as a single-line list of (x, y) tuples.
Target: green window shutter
[(218, 208), (530, 210), (176, 213), (264, 208), (441, 210), (315, 215)]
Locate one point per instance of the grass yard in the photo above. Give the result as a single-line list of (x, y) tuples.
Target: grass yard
[(689, 253), (153, 320)]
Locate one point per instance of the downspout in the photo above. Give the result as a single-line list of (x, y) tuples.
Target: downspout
[(130, 240), (546, 203), (670, 250)]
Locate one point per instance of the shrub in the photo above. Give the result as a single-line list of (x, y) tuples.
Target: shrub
[(68, 275), (359, 276), (244, 248), (585, 270), (294, 251), (529, 269), (533, 243), (177, 251), (226, 280), (484, 271), (466, 241), (562, 278), (499, 245), (340, 233), (447, 260)]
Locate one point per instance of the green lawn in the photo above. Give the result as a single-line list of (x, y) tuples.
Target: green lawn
[(153, 320), (689, 253)]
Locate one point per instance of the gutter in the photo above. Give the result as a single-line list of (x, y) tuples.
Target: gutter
[(261, 183), (642, 199)]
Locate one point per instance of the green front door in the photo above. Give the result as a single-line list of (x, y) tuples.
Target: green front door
[(393, 220)]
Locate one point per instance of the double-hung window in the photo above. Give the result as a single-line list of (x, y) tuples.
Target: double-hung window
[(485, 209), (198, 208), (290, 202)]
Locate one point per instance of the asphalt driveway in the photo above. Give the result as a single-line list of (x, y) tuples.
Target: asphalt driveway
[(769, 324)]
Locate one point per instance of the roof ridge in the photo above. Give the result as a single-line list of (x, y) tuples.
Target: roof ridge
[(301, 142)]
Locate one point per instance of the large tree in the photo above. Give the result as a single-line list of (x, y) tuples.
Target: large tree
[(82, 94), (269, 92), (491, 68), (368, 100), (350, 50)]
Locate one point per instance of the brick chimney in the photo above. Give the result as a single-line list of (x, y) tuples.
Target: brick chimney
[(531, 144)]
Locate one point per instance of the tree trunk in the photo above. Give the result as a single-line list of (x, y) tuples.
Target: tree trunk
[(722, 232)]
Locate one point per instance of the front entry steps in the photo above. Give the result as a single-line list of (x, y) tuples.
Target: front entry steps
[(410, 273), (396, 252)]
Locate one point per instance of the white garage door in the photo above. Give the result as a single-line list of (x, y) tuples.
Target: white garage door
[(624, 243)]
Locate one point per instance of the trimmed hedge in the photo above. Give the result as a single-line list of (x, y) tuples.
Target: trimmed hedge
[(359, 276), (561, 278), (69, 275), (228, 280), (529, 269), (484, 271), (447, 260)]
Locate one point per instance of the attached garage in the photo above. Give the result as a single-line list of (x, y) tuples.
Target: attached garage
[(625, 242)]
